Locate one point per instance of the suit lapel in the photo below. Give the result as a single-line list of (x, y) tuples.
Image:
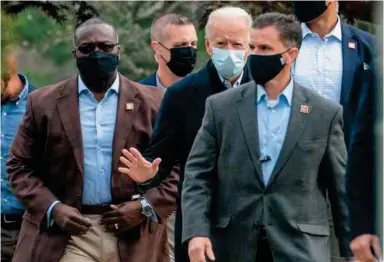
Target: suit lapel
[(349, 53), (126, 113), (295, 127), (68, 107), (246, 109)]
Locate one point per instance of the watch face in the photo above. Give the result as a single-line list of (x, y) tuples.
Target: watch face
[(147, 211)]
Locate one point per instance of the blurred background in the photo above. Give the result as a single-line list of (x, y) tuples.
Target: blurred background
[(41, 31)]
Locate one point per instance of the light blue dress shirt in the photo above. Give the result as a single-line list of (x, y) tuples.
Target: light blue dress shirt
[(272, 118), (319, 65), (97, 125), (11, 115), (159, 85), (98, 121)]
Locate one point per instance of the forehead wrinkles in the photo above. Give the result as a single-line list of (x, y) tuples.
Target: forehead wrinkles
[(100, 32)]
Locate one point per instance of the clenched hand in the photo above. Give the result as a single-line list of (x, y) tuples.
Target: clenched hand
[(123, 217), (70, 220), (198, 247)]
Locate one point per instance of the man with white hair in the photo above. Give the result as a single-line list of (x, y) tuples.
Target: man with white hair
[(182, 110)]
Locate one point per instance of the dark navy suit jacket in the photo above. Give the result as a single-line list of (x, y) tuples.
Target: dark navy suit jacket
[(149, 81), (358, 49)]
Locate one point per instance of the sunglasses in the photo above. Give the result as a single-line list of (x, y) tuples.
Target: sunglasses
[(90, 47)]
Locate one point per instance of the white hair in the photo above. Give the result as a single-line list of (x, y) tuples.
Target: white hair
[(228, 12)]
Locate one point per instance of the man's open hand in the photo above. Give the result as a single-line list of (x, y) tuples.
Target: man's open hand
[(137, 168)]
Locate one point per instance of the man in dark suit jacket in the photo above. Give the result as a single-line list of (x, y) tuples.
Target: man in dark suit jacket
[(63, 164), (182, 110), (329, 62), (174, 41), (361, 171), (257, 175)]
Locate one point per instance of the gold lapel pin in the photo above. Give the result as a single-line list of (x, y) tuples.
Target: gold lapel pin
[(304, 109), (129, 106)]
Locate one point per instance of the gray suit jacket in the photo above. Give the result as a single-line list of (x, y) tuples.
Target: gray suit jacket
[(224, 196)]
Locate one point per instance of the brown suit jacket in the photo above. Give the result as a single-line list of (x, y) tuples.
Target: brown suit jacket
[(46, 164)]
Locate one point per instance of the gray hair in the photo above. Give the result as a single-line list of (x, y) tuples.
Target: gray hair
[(159, 24), (288, 26), (93, 21), (230, 13)]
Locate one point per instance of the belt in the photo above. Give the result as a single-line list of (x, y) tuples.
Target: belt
[(95, 209), (11, 222)]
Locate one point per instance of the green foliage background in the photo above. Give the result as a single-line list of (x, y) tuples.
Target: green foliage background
[(44, 45)]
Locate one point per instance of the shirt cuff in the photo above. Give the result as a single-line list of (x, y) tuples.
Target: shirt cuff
[(50, 221)]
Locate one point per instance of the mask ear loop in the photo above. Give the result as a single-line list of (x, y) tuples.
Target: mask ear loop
[(167, 50)]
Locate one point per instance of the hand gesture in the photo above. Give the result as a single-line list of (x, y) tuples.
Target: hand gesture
[(70, 220), (123, 217), (137, 168), (362, 245), (198, 247)]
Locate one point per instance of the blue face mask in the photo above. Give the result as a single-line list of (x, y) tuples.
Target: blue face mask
[(228, 63)]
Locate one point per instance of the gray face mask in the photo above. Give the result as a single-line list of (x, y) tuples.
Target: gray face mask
[(228, 63)]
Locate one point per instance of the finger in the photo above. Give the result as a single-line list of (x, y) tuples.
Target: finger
[(209, 251), (125, 161), (376, 247), (124, 170), (81, 220), (137, 155), (75, 228), (156, 163), (365, 252), (131, 157), (113, 213), (197, 254), (111, 221), (126, 153)]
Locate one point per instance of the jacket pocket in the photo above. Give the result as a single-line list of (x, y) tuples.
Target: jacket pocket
[(223, 222), (308, 144), (317, 230)]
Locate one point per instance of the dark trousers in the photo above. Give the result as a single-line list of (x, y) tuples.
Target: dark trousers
[(181, 252), (264, 253), (9, 235)]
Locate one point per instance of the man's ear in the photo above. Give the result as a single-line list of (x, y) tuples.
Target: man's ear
[(292, 55), (155, 46), (208, 47)]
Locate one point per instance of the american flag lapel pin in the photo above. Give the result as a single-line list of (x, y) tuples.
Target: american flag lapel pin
[(352, 45), (304, 109), (129, 106)]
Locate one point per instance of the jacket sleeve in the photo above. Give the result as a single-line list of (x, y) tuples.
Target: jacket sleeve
[(200, 177), (361, 163), (166, 139), (333, 169), (23, 168)]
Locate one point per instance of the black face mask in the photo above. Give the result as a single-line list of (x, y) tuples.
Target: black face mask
[(183, 60), (306, 11), (97, 68), (264, 68)]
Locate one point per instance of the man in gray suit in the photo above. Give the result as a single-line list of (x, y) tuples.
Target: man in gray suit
[(256, 178)]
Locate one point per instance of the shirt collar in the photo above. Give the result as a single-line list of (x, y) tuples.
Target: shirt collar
[(158, 84), (238, 81), (24, 93), (287, 93), (115, 85), (336, 31)]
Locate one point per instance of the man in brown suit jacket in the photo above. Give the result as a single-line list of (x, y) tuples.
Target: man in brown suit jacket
[(63, 164)]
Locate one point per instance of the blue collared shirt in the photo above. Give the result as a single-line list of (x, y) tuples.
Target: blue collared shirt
[(319, 65), (98, 121), (11, 115), (159, 85), (272, 118)]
